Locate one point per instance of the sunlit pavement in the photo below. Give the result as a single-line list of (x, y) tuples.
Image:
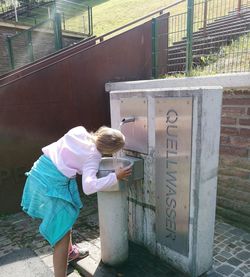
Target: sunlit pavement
[(24, 250)]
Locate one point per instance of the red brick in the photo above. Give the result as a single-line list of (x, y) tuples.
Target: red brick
[(240, 141), (234, 182), (228, 121), (244, 121), (234, 206), (236, 101), (236, 111), (236, 172), (245, 92), (233, 195), (229, 131), (232, 150), (245, 132), (224, 139)]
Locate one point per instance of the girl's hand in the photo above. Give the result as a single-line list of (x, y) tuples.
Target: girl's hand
[(123, 172)]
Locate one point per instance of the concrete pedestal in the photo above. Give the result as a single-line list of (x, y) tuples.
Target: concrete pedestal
[(113, 222), (173, 212)]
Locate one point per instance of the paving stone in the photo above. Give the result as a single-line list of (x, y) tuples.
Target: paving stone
[(221, 238), (216, 263), (213, 274), (243, 255), (220, 258), (44, 251), (225, 254), (228, 243), (216, 250), (220, 227), (240, 243), (5, 242), (246, 238), (227, 248), (225, 269), (233, 261), (23, 262), (237, 232), (244, 269), (221, 245)]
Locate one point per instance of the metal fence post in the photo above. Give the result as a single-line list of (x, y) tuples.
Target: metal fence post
[(10, 51), (162, 44), (30, 47), (205, 18), (58, 31), (63, 20), (189, 56), (239, 7), (90, 21), (154, 47)]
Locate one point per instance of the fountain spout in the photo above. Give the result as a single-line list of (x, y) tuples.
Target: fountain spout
[(127, 120)]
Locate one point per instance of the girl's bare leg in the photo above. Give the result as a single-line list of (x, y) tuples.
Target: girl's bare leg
[(60, 256), (70, 241)]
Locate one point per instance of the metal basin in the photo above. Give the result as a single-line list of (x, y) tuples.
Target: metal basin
[(109, 164)]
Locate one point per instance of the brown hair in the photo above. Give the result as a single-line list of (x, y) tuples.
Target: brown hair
[(108, 140)]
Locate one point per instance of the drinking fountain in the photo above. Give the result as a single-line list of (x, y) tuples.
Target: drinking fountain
[(113, 209)]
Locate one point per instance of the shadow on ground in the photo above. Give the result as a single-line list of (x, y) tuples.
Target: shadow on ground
[(23, 262)]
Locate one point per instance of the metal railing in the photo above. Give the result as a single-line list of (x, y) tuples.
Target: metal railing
[(39, 41), (16, 10), (211, 36), (76, 17), (51, 34)]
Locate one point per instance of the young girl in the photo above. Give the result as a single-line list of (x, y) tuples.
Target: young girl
[(51, 192)]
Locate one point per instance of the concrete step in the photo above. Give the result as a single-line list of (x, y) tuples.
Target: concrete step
[(221, 31), (182, 60), (231, 16), (225, 28), (197, 52), (209, 39), (177, 68), (203, 44), (244, 9), (176, 50), (140, 263), (228, 21)]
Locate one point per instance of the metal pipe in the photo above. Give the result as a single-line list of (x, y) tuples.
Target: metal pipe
[(189, 56), (239, 7), (127, 120), (205, 18)]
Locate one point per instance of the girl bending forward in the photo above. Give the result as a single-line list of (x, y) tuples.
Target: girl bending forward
[(51, 192)]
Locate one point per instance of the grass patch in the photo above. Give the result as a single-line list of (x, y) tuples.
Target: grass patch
[(232, 58), (109, 15)]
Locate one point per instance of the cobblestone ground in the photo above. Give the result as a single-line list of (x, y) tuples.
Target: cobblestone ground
[(231, 246)]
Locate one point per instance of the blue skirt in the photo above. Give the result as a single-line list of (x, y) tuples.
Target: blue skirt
[(52, 197)]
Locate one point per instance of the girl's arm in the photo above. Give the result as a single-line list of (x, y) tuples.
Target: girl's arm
[(92, 184)]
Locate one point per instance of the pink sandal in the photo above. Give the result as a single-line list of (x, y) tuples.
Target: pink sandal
[(77, 253)]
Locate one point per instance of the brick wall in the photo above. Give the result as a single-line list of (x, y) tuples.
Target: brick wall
[(233, 201)]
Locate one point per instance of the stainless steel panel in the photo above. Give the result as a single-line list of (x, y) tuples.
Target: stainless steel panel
[(172, 170), (136, 132)]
